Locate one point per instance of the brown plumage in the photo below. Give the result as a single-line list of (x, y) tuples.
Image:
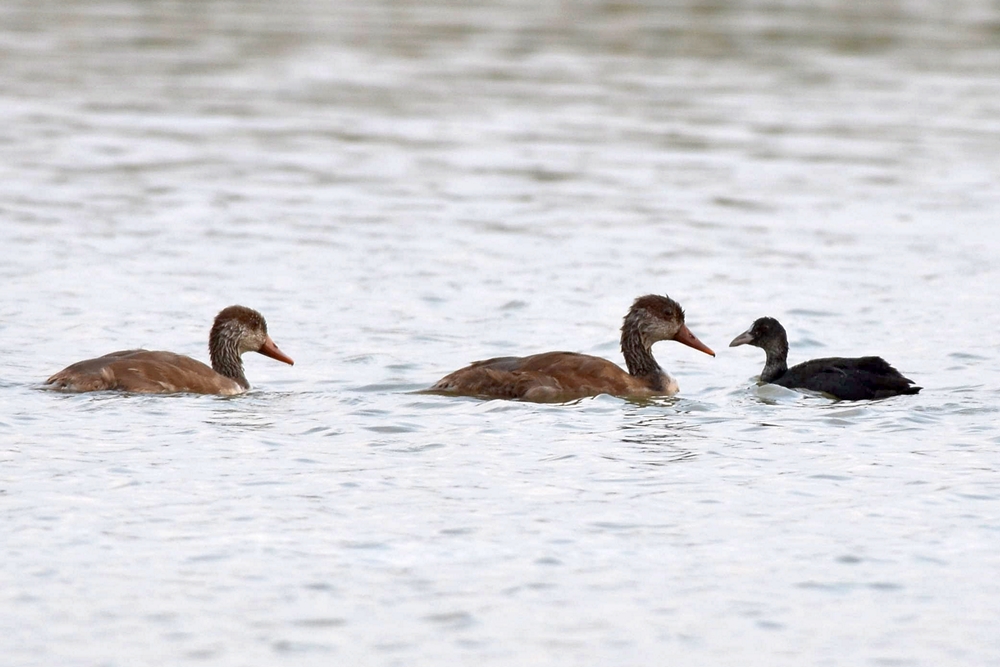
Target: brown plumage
[(236, 330), (564, 376)]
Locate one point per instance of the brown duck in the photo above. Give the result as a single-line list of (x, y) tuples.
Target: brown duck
[(236, 330), (564, 376)]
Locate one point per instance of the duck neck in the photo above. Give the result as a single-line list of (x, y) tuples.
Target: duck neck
[(639, 355), (777, 361), (225, 353)]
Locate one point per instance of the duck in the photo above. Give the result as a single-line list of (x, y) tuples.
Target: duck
[(237, 329), (563, 376), (846, 379)]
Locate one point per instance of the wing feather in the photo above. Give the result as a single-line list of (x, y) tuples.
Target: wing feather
[(143, 371), (551, 376)]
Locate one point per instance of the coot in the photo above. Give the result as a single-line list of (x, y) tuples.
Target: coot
[(849, 379)]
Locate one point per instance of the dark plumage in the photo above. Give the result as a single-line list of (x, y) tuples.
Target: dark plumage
[(563, 376), (849, 379), (236, 330)]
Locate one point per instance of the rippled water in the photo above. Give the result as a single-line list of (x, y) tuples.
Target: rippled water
[(404, 187)]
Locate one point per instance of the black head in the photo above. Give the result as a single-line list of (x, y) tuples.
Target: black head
[(766, 333)]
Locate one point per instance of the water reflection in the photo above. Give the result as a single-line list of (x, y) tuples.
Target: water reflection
[(413, 185), (657, 437)]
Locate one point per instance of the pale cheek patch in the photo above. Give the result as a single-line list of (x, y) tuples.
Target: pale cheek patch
[(250, 342)]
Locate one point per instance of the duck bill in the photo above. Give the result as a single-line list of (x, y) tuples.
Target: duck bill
[(744, 338), (269, 349), (685, 336)]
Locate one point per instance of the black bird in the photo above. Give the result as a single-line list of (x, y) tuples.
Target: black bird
[(852, 379)]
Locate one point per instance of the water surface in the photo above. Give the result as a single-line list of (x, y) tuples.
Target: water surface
[(404, 187)]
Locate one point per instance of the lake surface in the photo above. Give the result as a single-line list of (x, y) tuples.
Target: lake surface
[(404, 187)]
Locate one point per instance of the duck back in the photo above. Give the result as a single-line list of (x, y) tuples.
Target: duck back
[(547, 377), (143, 371), (849, 379)]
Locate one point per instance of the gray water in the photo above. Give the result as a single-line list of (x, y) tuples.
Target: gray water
[(404, 187)]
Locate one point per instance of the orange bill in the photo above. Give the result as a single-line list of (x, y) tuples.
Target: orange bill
[(685, 336), (269, 349)]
